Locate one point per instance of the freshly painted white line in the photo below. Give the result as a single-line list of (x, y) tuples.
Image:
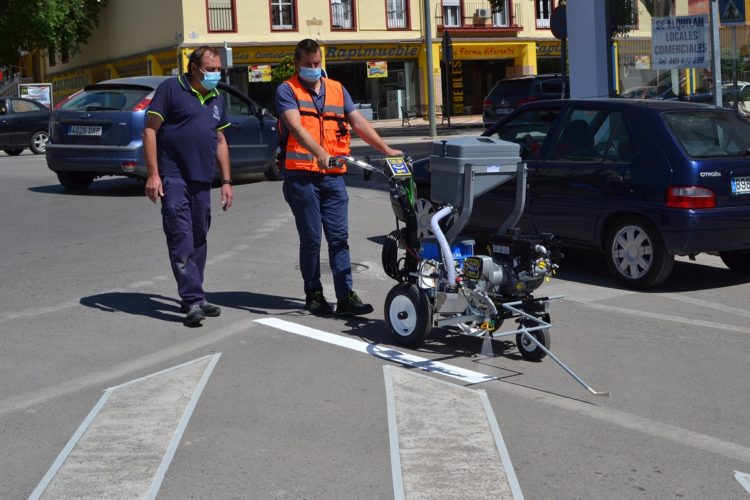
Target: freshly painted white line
[(390, 405), (706, 304), (743, 479), (174, 443), (387, 353), (510, 473), (69, 447)]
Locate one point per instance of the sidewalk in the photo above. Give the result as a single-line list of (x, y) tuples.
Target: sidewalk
[(421, 127)]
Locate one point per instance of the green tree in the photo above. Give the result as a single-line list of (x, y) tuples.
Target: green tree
[(622, 14), (30, 25), (284, 70)]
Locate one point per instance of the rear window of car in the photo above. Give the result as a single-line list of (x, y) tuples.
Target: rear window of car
[(511, 88), (710, 134), (108, 99)]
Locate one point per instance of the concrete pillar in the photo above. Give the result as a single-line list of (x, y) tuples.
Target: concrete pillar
[(588, 48)]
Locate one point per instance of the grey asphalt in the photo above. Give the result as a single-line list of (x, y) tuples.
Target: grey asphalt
[(88, 302)]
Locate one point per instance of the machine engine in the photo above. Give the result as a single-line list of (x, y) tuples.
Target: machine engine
[(518, 265)]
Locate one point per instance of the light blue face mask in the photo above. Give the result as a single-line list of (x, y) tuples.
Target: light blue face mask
[(310, 75), (210, 79)]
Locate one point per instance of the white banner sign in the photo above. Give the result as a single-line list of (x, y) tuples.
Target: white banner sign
[(680, 42)]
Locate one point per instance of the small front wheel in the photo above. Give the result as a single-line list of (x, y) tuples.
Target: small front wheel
[(529, 350), (408, 313)]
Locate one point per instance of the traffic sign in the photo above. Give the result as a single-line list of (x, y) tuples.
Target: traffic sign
[(558, 22), (731, 12)]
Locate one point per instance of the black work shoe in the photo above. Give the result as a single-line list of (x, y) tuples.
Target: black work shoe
[(352, 305), (207, 308), (194, 315), (317, 304)]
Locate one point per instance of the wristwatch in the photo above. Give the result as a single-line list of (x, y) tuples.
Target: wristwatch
[(226, 181)]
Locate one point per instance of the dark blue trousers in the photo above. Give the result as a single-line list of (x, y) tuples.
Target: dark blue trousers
[(321, 202), (186, 215)]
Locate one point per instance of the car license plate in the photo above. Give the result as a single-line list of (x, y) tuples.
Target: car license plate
[(740, 185), (85, 130)]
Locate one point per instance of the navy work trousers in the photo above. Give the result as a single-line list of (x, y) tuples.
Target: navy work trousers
[(321, 202), (186, 215)]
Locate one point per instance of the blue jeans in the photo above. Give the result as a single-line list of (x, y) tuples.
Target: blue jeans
[(321, 202), (186, 215)]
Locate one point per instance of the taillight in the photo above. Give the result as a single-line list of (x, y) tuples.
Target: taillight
[(690, 197), (71, 96), (143, 103), (526, 99), (487, 104)]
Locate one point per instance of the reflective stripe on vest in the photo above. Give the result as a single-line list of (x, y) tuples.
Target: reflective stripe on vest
[(327, 126)]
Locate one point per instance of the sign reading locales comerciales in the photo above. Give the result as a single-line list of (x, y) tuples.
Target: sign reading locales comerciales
[(679, 42)]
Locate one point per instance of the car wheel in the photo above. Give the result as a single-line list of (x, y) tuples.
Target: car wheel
[(75, 181), (636, 255), (38, 144), (13, 152), (737, 260), (273, 172)]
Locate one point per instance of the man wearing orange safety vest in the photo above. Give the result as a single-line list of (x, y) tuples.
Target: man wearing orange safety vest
[(315, 114)]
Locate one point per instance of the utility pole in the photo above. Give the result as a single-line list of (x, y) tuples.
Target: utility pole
[(430, 76)]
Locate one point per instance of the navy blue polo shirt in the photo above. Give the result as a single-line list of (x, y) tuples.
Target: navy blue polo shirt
[(186, 142)]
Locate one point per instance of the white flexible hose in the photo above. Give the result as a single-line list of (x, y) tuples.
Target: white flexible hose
[(444, 247)]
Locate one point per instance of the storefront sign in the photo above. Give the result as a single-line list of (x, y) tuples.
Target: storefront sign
[(380, 51), (457, 88), (245, 55), (679, 42), (377, 69), (486, 51), (258, 73), (548, 50), (39, 92)]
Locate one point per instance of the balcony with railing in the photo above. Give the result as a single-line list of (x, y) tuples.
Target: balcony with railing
[(473, 16)]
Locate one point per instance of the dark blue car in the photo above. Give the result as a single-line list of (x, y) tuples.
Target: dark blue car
[(639, 180), (98, 132)]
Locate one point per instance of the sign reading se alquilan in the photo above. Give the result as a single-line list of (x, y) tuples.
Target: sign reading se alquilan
[(680, 42)]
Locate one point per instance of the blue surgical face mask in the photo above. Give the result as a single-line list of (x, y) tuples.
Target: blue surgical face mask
[(210, 79), (310, 75)]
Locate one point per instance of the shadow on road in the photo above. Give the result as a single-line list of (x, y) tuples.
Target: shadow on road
[(115, 187), (140, 304)]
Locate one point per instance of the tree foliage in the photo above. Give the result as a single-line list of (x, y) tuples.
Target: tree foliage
[(284, 70), (623, 13), (61, 25)]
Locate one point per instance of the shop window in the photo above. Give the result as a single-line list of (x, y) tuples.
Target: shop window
[(451, 13), (220, 15), (283, 15), (543, 10), (65, 56), (51, 55), (501, 18), (397, 14), (342, 14)]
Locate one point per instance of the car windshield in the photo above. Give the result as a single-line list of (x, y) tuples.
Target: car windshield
[(511, 88), (106, 99), (710, 134)]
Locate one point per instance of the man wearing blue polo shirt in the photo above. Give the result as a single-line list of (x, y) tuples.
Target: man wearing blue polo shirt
[(182, 142)]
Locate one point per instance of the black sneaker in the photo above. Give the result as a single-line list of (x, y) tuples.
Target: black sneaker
[(207, 308), (194, 315), (352, 305), (317, 304)]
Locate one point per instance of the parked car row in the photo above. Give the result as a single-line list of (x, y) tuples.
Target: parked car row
[(23, 124), (98, 132), (510, 93), (639, 180)]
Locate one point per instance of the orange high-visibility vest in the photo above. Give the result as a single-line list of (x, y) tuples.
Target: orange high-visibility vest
[(328, 126)]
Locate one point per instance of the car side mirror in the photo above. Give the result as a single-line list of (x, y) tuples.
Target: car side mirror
[(264, 113)]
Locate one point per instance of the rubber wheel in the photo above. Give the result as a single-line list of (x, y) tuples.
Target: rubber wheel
[(408, 313), (13, 152), (737, 260), (636, 255), (273, 172), (527, 348), (75, 181), (38, 144)]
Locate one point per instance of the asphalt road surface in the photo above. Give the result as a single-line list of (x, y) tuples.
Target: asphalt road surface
[(105, 394)]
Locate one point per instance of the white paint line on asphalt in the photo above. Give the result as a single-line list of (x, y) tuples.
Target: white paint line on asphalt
[(386, 353), (98, 378), (69, 447), (149, 416), (501, 448), (459, 454), (175, 442), (743, 479), (706, 304), (390, 406)]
